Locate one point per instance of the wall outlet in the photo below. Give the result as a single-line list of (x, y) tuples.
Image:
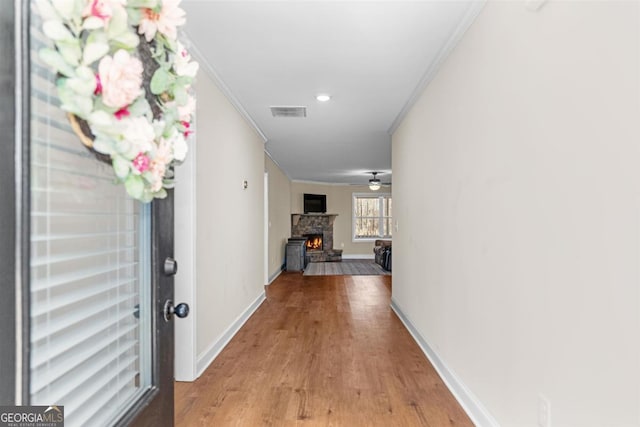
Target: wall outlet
[(544, 411), (342, 245)]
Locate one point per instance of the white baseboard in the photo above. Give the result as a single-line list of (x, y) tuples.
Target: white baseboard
[(358, 256), (275, 275), (208, 356), (469, 402)]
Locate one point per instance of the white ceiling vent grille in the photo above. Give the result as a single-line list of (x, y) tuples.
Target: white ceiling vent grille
[(289, 111)]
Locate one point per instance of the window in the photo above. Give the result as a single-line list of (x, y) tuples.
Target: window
[(371, 216)]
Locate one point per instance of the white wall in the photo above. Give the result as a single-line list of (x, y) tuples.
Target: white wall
[(279, 215), (229, 221), (516, 191)]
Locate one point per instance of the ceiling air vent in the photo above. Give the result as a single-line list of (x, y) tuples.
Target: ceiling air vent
[(289, 111)]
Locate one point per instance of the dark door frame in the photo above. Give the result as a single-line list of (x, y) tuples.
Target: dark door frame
[(14, 209)]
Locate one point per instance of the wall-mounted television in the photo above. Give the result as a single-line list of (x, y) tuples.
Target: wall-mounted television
[(315, 203)]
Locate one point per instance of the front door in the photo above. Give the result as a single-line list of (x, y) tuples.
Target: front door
[(94, 270)]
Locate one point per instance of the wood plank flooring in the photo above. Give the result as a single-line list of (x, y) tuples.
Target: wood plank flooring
[(320, 351)]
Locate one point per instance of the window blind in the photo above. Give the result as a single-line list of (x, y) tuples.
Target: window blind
[(90, 271)]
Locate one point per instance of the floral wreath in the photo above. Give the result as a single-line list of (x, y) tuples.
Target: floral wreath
[(124, 79)]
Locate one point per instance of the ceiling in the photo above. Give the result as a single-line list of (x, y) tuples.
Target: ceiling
[(373, 58)]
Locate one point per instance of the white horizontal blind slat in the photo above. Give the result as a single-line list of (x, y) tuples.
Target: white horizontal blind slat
[(89, 263), (73, 256), (62, 279), (68, 383), (55, 324), (90, 409)]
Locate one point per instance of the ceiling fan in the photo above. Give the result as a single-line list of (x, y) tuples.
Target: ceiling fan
[(375, 183)]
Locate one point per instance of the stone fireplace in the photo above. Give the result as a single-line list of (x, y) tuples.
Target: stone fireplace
[(317, 229)]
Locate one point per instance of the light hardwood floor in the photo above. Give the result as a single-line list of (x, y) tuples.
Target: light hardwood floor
[(320, 351)]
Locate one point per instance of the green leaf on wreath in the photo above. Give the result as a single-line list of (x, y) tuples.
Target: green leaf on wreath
[(127, 41), (65, 7), (118, 23), (135, 15), (56, 31), (81, 87), (94, 51), (84, 104), (102, 123), (120, 167), (102, 145), (160, 81), (161, 194), (47, 12), (53, 59), (146, 197), (71, 52), (92, 23), (134, 186), (180, 95), (151, 4), (72, 102), (140, 107)]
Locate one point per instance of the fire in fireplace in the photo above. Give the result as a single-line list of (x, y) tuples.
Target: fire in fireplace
[(314, 242)]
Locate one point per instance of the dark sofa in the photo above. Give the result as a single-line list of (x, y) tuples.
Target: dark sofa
[(382, 253)]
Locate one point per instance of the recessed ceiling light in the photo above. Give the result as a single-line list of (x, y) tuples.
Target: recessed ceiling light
[(323, 97)]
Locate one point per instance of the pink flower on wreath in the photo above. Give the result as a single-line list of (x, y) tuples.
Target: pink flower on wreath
[(98, 90), (166, 21), (186, 111), (102, 9), (141, 162), (157, 170), (187, 131), (121, 113), (163, 156), (99, 9), (121, 78)]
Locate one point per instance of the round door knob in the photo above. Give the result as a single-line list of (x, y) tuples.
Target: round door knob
[(181, 310)]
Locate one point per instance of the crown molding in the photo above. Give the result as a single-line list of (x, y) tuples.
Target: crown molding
[(470, 16), (213, 74), (268, 154), (336, 184)]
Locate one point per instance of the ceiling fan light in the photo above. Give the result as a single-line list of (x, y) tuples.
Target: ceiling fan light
[(374, 184)]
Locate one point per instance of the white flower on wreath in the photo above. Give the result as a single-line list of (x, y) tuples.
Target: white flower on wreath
[(182, 62), (180, 147), (120, 79), (165, 21), (138, 136)]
